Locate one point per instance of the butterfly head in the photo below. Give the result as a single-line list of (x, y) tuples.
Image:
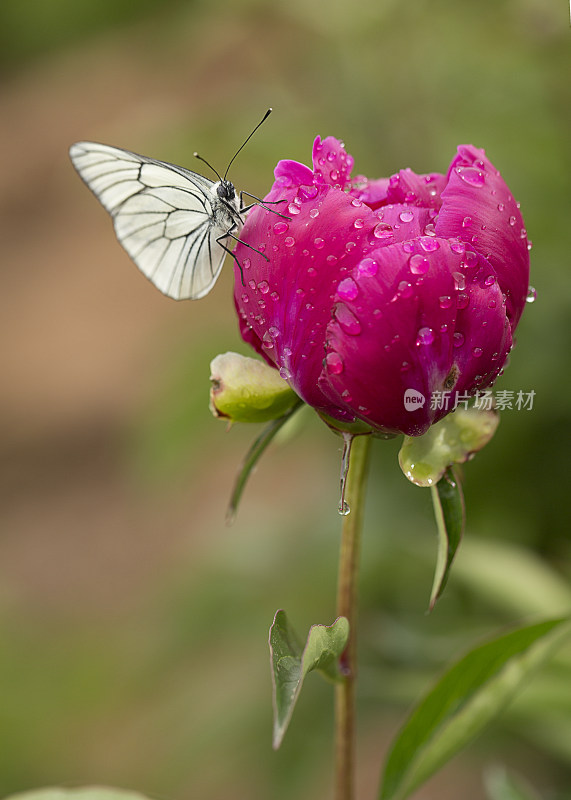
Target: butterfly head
[(225, 191)]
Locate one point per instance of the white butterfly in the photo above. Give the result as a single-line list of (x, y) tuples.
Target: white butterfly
[(171, 221)]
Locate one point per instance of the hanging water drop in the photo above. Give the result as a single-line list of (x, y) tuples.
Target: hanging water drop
[(531, 295)]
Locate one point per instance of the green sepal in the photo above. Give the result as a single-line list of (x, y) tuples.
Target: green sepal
[(424, 459), (291, 661)]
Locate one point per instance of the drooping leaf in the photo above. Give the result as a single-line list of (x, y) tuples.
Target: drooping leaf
[(448, 501), (291, 661), (252, 457), (469, 695)]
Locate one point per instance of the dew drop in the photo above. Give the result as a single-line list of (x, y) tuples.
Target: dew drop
[(267, 341), (347, 320), (501, 206), (406, 216), (445, 301), (531, 295), (275, 296), (347, 289), (245, 298), (293, 209), (512, 221), (466, 221), (382, 231), (289, 241), (246, 263), (252, 284), (331, 259), (459, 281), (458, 339), (477, 352), (462, 300), (285, 373), (356, 202), (490, 280), (359, 223), (368, 267), (458, 247), (430, 230), (318, 243), (425, 336), (274, 332), (334, 363), (471, 176), (405, 366), (334, 175), (264, 287), (408, 247), (314, 212), (280, 227), (428, 244), (419, 265)]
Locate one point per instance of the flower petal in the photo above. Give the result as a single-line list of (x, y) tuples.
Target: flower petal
[(478, 208), (331, 162)]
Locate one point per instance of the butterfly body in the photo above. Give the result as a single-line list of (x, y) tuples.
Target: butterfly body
[(171, 221)]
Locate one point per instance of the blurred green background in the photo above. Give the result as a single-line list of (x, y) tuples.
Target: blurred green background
[(133, 622)]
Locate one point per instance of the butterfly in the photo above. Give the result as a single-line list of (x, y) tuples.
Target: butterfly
[(172, 222)]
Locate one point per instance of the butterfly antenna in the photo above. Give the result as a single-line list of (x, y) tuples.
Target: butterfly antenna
[(204, 161), (261, 122)]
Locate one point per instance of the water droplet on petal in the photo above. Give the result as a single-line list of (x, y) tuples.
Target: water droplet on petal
[(531, 295), (347, 289), (477, 352), (445, 301), (458, 247), (246, 263), (490, 280), (275, 296), (382, 231), (356, 202), (285, 373), (406, 216), (343, 509), (289, 241), (347, 320), (264, 287), (471, 175), (314, 213), (428, 244), (512, 221), (318, 243), (419, 265), (462, 300), (293, 209), (280, 227), (459, 281), (466, 221), (334, 363), (501, 206), (252, 284), (424, 336), (408, 247), (331, 259), (458, 339), (368, 267), (359, 223), (267, 341)]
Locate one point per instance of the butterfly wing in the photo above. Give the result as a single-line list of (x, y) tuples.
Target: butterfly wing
[(166, 217)]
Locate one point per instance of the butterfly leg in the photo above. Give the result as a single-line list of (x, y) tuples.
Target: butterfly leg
[(259, 202), (236, 239)]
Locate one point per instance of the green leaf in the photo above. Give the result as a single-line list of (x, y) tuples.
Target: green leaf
[(291, 661), (448, 501), (464, 700), (78, 793), (252, 457)]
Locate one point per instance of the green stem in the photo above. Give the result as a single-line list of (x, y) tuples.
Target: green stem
[(347, 607)]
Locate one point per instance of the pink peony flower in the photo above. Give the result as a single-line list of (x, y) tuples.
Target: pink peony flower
[(376, 288)]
